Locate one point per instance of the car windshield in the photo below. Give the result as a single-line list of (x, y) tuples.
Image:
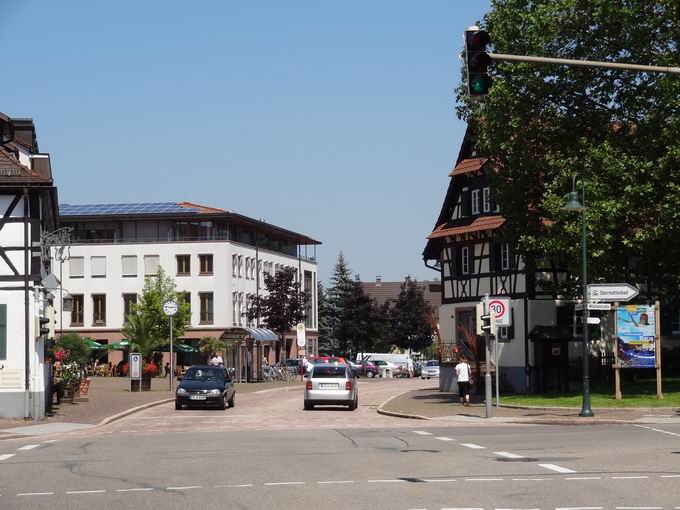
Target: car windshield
[(204, 374), (378, 362), (325, 372), (432, 364)]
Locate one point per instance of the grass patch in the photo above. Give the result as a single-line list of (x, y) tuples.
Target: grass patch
[(641, 393)]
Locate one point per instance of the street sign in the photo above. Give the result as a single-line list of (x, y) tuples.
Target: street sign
[(594, 306), (500, 307), (301, 337), (611, 292), (593, 320)]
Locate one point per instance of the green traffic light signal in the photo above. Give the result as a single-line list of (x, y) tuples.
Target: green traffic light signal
[(477, 61), (480, 85)]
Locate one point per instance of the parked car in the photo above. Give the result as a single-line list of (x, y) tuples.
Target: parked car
[(396, 370), (431, 369), (331, 384), (292, 365), (364, 367), (205, 386), (417, 369)]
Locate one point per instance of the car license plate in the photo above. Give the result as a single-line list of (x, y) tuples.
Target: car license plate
[(196, 397), (328, 386)]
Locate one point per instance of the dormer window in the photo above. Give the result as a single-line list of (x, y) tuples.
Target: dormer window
[(475, 201)]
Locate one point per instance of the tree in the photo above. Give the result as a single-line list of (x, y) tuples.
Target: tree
[(284, 304), (76, 347), (140, 331), (410, 318), (157, 290), (619, 129), (326, 342), (210, 344)]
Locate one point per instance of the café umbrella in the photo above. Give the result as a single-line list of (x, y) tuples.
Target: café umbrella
[(95, 346)]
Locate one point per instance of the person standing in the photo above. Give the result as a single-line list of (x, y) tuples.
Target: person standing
[(57, 383), (409, 367), (463, 375)]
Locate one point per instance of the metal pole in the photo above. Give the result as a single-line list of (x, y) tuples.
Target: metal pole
[(487, 375), (495, 357), (172, 364), (586, 411), (585, 63)]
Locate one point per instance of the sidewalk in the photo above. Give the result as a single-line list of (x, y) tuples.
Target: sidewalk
[(108, 397), (431, 404)]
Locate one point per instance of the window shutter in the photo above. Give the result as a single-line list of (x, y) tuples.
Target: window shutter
[(497, 256), (77, 266), (466, 209), (3, 332), (511, 328), (151, 263), (98, 266), (458, 260), (129, 265)]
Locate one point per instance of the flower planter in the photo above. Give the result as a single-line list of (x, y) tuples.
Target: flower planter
[(145, 383)]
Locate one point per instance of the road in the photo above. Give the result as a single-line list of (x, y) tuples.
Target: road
[(268, 453)]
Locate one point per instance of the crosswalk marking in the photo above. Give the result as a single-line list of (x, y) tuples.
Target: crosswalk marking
[(557, 468), (422, 433), (444, 438), (473, 446), (508, 455), (28, 447), (6, 456)]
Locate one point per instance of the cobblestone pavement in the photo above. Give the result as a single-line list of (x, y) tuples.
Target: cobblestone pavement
[(271, 409)]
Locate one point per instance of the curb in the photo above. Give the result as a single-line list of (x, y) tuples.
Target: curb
[(132, 410), (380, 409), (639, 409)]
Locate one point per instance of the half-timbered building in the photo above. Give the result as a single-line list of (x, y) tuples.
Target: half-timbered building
[(28, 209)]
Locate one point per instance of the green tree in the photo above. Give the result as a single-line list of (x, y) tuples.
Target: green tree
[(619, 130), (157, 290), (410, 318), (326, 343), (210, 344), (140, 331), (283, 305), (76, 347)]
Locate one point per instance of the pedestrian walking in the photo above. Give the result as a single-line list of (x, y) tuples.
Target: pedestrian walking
[(57, 383), (409, 367), (167, 369), (463, 375)]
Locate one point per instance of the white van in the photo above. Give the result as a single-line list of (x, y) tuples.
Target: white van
[(401, 360)]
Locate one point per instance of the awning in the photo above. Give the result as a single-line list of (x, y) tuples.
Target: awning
[(120, 346), (95, 346), (241, 334), (179, 347)]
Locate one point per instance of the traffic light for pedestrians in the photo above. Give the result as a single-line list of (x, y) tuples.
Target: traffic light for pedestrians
[(46, 324), (486, 322), (477, 61)]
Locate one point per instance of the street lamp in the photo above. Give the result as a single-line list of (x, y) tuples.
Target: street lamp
[(574, 205)]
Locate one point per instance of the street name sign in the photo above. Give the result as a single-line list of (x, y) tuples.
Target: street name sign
[(500, 307), (594, 306), (593, 320), (611, 292)]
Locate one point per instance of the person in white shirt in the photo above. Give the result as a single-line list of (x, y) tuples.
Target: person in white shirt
[(463, 375), (409, 367)]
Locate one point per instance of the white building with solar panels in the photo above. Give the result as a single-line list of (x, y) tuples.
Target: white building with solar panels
[(218, 259)]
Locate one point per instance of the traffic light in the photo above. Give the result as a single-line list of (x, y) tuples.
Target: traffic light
[(477, 61), (44, 328), (486, 323), (46, 325)]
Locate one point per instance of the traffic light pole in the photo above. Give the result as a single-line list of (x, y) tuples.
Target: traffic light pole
[(487, 375), (584, 63)]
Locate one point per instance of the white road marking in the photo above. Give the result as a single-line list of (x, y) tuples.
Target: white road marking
[(335, 481), (444, 438), (580, 508), (235, 485), (483, 479), (285, 483), (638, 507), (583, 478), (628, 477), (35, 494), (473, 446), (518, 509), (422, 433), (28, 447), (387, 481), (658, 430), (438, 480), (135, 489), (557, 468), (671, 476), (6, 456), (85, 492), (462, 508), (50, 441), (529, 479), (184, 488), (508, 455)]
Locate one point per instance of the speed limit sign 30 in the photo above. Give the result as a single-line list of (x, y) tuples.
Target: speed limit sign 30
[(500, 307)]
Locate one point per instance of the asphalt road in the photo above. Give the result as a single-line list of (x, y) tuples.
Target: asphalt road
[(267, 453)]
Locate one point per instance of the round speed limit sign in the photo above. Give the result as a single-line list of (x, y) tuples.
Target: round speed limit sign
[(500, 307)]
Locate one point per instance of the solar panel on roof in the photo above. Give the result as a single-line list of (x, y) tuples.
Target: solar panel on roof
[(122, 209)]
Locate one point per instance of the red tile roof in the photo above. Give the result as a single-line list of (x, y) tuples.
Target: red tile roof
[(202, 209), (468, 166), (476, 225), (13, 172)]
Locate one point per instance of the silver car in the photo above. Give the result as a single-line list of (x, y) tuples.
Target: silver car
[(331, 384), (430, 369)]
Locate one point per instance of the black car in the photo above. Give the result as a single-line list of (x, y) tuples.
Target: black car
[(205, 386)]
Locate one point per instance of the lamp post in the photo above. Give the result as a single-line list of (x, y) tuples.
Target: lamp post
[(574, 205)]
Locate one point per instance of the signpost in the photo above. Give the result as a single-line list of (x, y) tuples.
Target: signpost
[(301, 342), (170, 308), (611, 292), (500, 307), (594, 306), (135, 371)]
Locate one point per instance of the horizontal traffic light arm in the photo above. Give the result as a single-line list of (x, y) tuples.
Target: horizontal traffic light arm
[(584, 63)]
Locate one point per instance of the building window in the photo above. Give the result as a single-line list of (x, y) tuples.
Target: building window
[(505, 256), (234, 308), (77, 314), (99, 309), (486, 199), (128, 301), (129, 265), (76, 267), (206, 299), (240, 266), (183, 265), (247, 268), (151, 264), (465, 260), (3, 332), (234, 266), (475, 201), (185, 297), (98, 267), (206, 264)]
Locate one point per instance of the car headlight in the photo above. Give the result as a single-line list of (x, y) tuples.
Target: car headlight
[(181, 391), (214, 392)]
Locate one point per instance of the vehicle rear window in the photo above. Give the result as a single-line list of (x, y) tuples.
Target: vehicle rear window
[(204, 374), (328, 372), (432, 364)]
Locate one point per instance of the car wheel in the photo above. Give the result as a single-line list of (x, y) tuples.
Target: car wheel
[(178, 406), (232, 401), (223, 403), (370, 375), (308, 406), (353, 405)]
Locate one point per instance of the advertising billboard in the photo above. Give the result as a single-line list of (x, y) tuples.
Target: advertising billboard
[(636, 336)]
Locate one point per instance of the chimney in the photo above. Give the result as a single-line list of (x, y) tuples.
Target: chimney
[(378, 281)]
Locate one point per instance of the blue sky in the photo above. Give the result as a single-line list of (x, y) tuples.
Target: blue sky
[(334, 119)]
